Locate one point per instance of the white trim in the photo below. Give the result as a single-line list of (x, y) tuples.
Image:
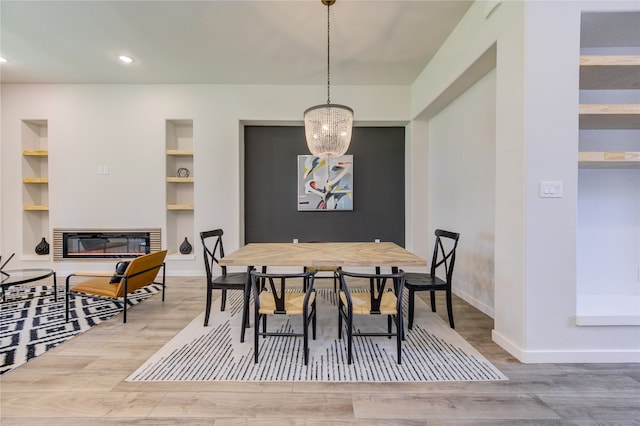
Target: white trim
[(574, 356)]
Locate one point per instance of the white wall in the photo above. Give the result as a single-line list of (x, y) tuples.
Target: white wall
[(461, 164), (475, 35), (123, 127), (536, 139)]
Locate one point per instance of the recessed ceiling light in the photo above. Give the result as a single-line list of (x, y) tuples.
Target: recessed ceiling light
[(126, 59), (3, 60)]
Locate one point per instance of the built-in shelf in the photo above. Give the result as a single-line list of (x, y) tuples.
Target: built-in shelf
[(173, 179), (35, 152), (608, 123), (35, 185), (180, 184), (180, 207), (610, 116), (35, 180), (180, 152), (609, 160), (595, 310), (609, 72)]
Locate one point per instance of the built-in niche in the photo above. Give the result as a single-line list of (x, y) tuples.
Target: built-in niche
[(271, 192)]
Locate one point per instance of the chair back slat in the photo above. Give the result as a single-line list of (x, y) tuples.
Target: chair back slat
[(213, 251), (444, 252), (278, 295), (376, 290)]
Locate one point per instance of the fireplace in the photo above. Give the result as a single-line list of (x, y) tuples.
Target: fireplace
[(91, 244)]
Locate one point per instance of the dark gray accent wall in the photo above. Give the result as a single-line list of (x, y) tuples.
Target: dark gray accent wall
[(271, 211)]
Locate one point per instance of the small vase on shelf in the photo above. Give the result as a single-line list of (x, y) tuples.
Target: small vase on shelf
[(43, 247), (185, 247)]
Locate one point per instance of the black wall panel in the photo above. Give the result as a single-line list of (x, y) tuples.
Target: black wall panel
[(271, 211)]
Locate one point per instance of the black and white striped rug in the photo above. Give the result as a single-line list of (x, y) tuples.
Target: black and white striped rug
[(32, 322), (431, 352)]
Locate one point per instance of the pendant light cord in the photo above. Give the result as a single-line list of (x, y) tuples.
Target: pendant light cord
[(328, 54)]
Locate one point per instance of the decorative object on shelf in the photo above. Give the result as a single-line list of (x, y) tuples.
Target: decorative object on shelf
[(186, 247), (328, 126), (183, 172), (43, 247)]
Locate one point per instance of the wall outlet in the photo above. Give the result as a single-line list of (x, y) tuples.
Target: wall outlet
[(295, 241)]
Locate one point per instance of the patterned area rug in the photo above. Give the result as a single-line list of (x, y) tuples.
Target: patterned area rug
[(31, 322), (432, 351)]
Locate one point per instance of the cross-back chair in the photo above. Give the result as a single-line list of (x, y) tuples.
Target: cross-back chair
[(213, 251), (443, 261)]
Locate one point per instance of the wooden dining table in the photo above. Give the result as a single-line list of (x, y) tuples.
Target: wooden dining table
[(345, 254)]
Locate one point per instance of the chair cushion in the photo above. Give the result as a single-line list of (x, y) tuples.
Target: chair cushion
[(98, 286), (293, 302), (362, 303)]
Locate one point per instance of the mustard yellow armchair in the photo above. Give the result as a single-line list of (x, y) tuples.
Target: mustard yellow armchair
[(140, 272)]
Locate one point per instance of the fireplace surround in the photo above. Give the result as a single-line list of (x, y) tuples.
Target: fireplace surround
[(97, 244)]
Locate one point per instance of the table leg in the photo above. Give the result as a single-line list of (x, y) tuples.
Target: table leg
[(247, 300), (394, 270)]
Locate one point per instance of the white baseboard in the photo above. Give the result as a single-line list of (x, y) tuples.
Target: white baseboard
[(482, 307), (566, 356)]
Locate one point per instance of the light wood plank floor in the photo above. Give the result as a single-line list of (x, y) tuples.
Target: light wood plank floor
[(82, 383)]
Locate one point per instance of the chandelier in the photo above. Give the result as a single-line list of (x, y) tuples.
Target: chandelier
[(327, 127)]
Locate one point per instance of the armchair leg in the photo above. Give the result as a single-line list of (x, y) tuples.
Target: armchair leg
[(433, 301), (164, 274), (124, 314)]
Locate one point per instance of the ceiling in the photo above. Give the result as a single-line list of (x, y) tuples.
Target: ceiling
[(222, 42)]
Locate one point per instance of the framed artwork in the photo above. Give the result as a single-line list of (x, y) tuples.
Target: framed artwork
[(325, 184)]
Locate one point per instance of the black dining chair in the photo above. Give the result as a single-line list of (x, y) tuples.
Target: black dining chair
[(383, 296), (275, 294), (443, 261), (213, 252)]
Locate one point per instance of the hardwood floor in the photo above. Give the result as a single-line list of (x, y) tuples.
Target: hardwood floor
[(82, 383)]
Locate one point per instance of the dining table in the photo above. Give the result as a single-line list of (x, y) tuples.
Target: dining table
[(339, 254)]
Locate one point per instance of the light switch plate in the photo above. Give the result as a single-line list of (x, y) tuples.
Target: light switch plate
[(550, 189)]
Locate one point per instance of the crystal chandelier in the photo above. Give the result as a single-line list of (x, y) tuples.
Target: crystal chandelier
[(327, 127)]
